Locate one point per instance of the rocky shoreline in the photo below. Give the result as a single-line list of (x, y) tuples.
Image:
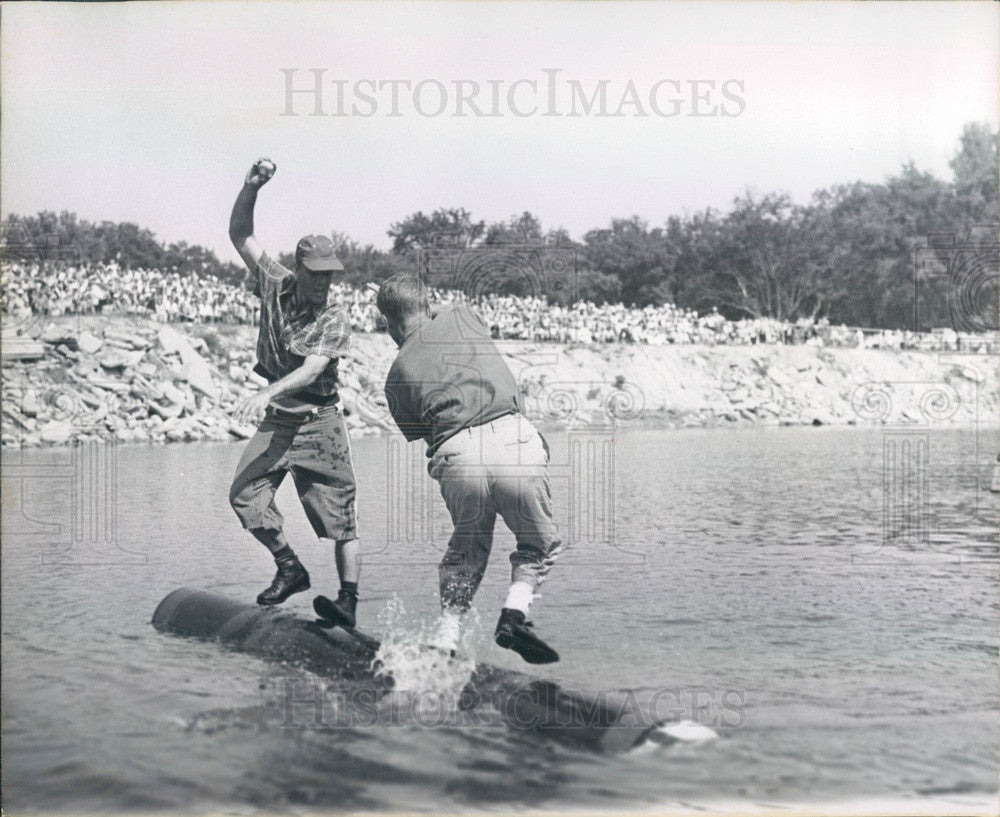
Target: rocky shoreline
[(81, 378)]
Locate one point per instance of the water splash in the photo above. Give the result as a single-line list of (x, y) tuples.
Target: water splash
[(688, 732), (673, 733), (427, 679)]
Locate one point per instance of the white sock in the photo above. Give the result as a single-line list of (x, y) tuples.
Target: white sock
[(519, 597)]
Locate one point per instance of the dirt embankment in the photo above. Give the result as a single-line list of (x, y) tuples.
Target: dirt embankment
[(83, 378)]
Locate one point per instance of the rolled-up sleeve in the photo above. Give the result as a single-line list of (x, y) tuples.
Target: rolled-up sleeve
[(269, 275)]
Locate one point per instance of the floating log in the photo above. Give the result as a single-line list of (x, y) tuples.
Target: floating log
[(595, 722)]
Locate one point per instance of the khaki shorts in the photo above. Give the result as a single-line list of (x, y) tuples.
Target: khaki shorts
[(313, 447)]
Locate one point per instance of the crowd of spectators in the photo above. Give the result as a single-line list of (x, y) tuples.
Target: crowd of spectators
[(109, 289), (169, 297)]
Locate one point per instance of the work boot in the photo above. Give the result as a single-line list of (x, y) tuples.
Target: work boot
[(514, 633), (340, 612), (290, 578)]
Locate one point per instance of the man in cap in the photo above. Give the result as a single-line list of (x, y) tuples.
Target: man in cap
[(301, 431)]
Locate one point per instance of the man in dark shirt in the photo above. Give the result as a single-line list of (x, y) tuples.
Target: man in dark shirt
[(301, 432), (450, 387)]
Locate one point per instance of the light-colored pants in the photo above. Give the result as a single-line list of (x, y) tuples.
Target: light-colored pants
[(497, 468)]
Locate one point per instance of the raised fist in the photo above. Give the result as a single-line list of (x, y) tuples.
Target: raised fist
[(261, 173)]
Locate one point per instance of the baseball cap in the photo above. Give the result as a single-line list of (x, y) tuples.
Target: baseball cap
[(317, 254)]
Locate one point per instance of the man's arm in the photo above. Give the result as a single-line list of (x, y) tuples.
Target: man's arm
[(250, 410), (241, 220), (397, 394)]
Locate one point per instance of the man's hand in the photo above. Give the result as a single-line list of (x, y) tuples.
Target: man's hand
[(250, 410), (260, 174), (241, 220)]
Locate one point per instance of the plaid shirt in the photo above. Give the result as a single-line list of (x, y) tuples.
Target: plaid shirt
[(289, 332)]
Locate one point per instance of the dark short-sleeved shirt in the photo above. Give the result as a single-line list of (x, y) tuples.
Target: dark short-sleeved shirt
[(290, 331), (449, 375)]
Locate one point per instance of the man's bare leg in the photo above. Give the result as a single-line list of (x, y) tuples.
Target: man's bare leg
[(348, 556)]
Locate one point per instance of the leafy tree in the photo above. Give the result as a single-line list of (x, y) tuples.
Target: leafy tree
[(519, 257), (881, 232), (66, 239), (865, 254), (445, 228), (523, 229), (975, 166), (769, 262), (638, 257), (693, 240)]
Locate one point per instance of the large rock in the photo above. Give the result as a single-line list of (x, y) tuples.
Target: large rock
[(194, 368), (178, 434), (120, 358), (58, 334), (829, 378), (57, 432), (88, 398), (30, 405), (969, 372), (15, 347), (173, 394), (817, 416), (198, 373), (166, 412), (88, 342), (126, 435), (779, 376), (172, 341), (349, 378), (120, 337), (109, 383)]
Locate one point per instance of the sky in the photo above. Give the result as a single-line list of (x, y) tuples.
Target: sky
[(152, 112)]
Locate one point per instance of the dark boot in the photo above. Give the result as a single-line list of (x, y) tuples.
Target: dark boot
[(514, 633), (341, 612), (290, 578)]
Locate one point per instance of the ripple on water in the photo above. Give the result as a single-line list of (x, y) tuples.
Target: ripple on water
[(863, 665)]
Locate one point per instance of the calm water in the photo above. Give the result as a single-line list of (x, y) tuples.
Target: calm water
[(825, 599)]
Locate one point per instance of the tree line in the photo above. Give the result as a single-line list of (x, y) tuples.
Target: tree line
[(903, 253)]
